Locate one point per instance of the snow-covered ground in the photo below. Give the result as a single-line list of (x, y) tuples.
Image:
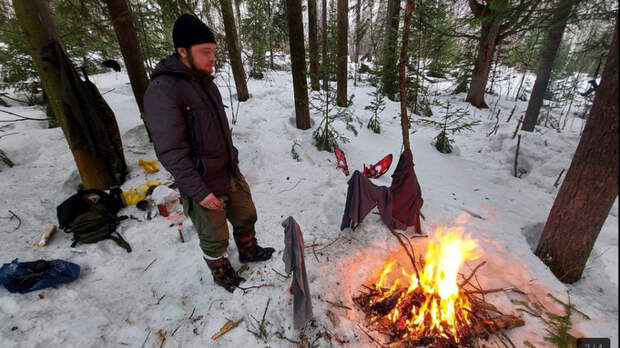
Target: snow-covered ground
[(123, 299)]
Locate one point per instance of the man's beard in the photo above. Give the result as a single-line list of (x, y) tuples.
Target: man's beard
[(190, 60)]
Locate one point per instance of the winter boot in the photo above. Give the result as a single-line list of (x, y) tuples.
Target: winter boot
[(250, 251), (223, 274)]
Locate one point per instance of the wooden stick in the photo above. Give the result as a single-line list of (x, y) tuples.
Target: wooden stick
[(557, 181), (409, 253), (517, 155), (229, 325), (339, 305), (472, 274)]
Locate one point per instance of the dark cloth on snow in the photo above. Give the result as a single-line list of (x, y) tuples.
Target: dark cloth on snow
[(185, 116), (399, 205), (24, 277), (90, 123), (294, 262)]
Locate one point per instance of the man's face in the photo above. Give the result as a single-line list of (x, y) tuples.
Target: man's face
[(200, 57)]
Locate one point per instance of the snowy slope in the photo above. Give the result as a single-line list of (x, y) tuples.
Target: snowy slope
[(124, 299)]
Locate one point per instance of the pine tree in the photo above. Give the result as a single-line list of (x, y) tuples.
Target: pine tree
[(453, 122), (376, 106), (326, 136)]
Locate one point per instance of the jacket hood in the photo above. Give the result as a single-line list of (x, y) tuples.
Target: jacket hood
[(172, 65)]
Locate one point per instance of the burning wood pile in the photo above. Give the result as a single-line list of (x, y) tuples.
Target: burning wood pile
[(432, 308)]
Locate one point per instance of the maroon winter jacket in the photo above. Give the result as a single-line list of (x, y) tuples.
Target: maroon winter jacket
[(185, 116)]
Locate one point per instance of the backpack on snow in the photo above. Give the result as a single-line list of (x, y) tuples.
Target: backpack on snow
[(91, 216)]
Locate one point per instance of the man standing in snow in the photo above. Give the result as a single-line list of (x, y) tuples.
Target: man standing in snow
[(185, 116)]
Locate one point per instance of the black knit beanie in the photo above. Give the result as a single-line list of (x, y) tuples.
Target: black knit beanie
[(188, 30)]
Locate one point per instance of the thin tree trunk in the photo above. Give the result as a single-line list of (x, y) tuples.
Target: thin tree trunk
[(313, 45), (545, 65), (591, 184), (390, 46), (238, 22), (298, 63), (325, 67), (233, 50), (358, 38), (130, 48), (37, 23), (342, 53), (489, 35), (527, 64), (404, 120)]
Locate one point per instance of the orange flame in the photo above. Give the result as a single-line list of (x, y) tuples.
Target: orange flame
[(444, 309)]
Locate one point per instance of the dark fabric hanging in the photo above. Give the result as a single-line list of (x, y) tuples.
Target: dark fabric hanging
[(399, 205), (294, 262), (90, 123)]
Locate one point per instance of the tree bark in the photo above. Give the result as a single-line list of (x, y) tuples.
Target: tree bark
[(130, 48), (313, 46), (404, 119), (545, 65), (590, 186), (234, 52), (390, 45), (37, 23), (358, 38), (486, 48), (325, 72), (342, 53), (298, 63)]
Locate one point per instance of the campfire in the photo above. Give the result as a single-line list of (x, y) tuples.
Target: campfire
[(434, 306)]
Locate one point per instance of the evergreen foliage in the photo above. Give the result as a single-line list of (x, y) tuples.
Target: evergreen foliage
[(326, 136), (558, 326), (453, 122), (376, 106)]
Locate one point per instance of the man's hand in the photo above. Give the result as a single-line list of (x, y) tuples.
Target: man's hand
[(212, 202)]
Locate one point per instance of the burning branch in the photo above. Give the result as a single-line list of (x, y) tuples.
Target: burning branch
[(434, 310)]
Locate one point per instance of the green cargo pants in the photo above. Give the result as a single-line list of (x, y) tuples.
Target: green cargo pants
[(211, 224)]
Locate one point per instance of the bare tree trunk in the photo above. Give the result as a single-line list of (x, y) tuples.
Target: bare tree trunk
[(590, 186), (404, 119), (390, 45), (489, 35), (313, 46), (342, 53), (233, 50), (238, 22), (325, 67), (298, 62), (37, 23), (545, 65), (130, 48), (358, 38)]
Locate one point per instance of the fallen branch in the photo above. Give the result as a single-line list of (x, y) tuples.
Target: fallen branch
[(13, 216), (260, 331), (280, 274), (472, 274), (473, 214), (21, 118), (557, 181), (227, 327), (245, 290), (409, 253), (182, 321), (488, 291), (152, 262), (147, 337), (517, 156), (282, 337), (368, 334), (338, 305)]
